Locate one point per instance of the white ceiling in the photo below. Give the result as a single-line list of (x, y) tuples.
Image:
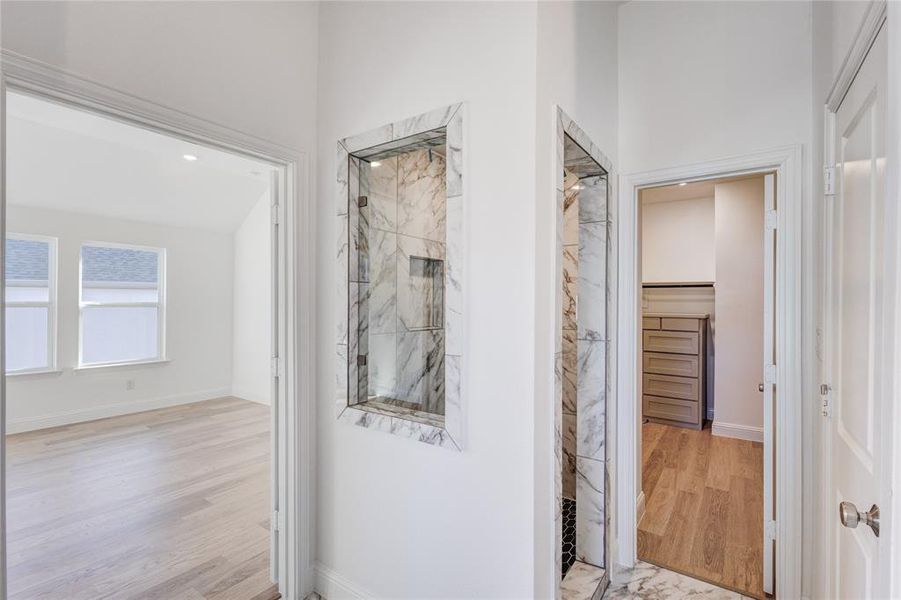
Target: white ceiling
[(66, 159)]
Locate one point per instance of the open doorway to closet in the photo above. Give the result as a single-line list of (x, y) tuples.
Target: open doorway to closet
[(706, 256)]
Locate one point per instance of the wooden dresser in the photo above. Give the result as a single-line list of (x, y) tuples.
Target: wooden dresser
[(674, 374)]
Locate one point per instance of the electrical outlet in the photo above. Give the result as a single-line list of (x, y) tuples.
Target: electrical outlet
[(129, 384)]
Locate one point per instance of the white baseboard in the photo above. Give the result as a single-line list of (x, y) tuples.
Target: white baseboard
[(331, 585), (244, 394), (110, 410), (741, 432), (639, 506)]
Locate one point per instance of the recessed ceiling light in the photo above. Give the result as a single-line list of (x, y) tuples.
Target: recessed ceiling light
[(189, 157), (683, 183), (375, 163)]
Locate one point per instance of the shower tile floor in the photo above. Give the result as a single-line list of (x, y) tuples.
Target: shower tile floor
[(569, 534)]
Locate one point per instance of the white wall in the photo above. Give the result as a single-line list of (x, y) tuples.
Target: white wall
[(396, 517), (677, 241), (199, 317), (739, 308), (577, 70), (252, 315)]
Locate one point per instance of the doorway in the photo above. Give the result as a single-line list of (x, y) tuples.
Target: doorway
[(706, 301)]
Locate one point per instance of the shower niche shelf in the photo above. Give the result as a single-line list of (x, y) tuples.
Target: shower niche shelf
[(400, 288)]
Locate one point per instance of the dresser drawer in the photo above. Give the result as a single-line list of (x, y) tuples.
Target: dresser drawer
[(667, 386), (650, 322), (683, 365), (672, 410), (680, 342), (678, 324)]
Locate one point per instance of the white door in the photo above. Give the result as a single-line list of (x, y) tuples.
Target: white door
[(769, 379), (856, 330)]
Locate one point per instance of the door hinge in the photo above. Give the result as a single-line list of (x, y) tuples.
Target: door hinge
[(769, 374), (771, 219), (362, 201), (276, 367), (825, 389), (829, 181), (274, 211), (769, 530)]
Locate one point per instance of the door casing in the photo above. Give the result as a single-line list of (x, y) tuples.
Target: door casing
[(790, 341), (294, 280)]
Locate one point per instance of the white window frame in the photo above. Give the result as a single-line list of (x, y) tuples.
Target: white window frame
[(50, 304), (160, 305)]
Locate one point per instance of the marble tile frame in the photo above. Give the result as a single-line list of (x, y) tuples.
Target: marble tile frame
[(588, 450), (419, 131)]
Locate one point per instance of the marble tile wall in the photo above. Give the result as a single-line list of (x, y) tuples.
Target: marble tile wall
[(569, 328)]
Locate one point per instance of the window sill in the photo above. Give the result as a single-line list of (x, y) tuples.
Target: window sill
[(122, 365), (35, 372)]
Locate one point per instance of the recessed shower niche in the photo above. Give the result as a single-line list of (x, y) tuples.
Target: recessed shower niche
[(400, 218)]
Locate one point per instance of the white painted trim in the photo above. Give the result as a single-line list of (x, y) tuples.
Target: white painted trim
[(739, 432), (331, 585), (786, 162), (297, 433), (243, 394), (122, 365), (111, 410), (866, 35)]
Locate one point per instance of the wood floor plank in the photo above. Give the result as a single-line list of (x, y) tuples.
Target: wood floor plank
[(703, 506), (170, 504)]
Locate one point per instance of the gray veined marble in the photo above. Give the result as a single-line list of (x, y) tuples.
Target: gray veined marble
[(383, 195), (591, 399), (571, 215), (374, 137), (590, 510), (593, 193), (569, 455), (592, 285), (421, 195), (342, 279), (584, 582), (341, 202), (570, 371), (434, 119), (383, 281), (453, 314), (420, 369), (414, 307), (650, 582), (455, 154), (570, 287)]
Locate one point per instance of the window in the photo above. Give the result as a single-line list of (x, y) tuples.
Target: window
[(30, 303), (122, 318)]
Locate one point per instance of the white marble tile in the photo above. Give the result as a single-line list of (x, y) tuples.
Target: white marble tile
[(341, 197), (570, 371), (591, 399), (455, 154), (341, 376), (571, 215), (558, 274), (650, 582), (420, 369), (453, 291), (559, 170), (593, 200), (413, 298), (341, 278), (421, 195), (434, 119), (383, 281), (373, 137), (592, 260), (383, 195), (420, 432), (569, 455), (571, 289), (382, 364), (454, 418), (558, 467), (584, 582), (590, 509)]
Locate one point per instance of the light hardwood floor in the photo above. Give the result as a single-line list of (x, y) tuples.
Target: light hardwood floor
[(170, 504), (703, 506)]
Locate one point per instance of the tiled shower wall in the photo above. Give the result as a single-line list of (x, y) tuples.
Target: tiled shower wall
[(570, 330), (407, 253)]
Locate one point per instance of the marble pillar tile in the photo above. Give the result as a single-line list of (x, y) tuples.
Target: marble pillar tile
[(559, 173), (383, 195), (558, 466), (341, 377), (383, 281), (454, 160), (569, 455), (382, 364), (453, 277), (590, 497), (454, 417), (434, 119), (571, 216), (570, 371), (358, 227), (421, 195), (570, 286), (341, 281), (592, 259), (413, 305), (610, 289), (584, 582), (558, 275), (420, 368), (593, 200), (373, 137), (358, 341), (651, 582), (591, 399), (341, 198), (421, 432)]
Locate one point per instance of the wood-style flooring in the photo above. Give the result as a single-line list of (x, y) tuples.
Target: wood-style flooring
[(170, 504), (703, 506)]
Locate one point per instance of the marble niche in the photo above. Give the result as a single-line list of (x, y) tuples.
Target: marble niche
[(400, 290), (583, 375)]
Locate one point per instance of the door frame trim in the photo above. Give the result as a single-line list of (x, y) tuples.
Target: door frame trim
[(877, 17), (791, 264), (295, 415)]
